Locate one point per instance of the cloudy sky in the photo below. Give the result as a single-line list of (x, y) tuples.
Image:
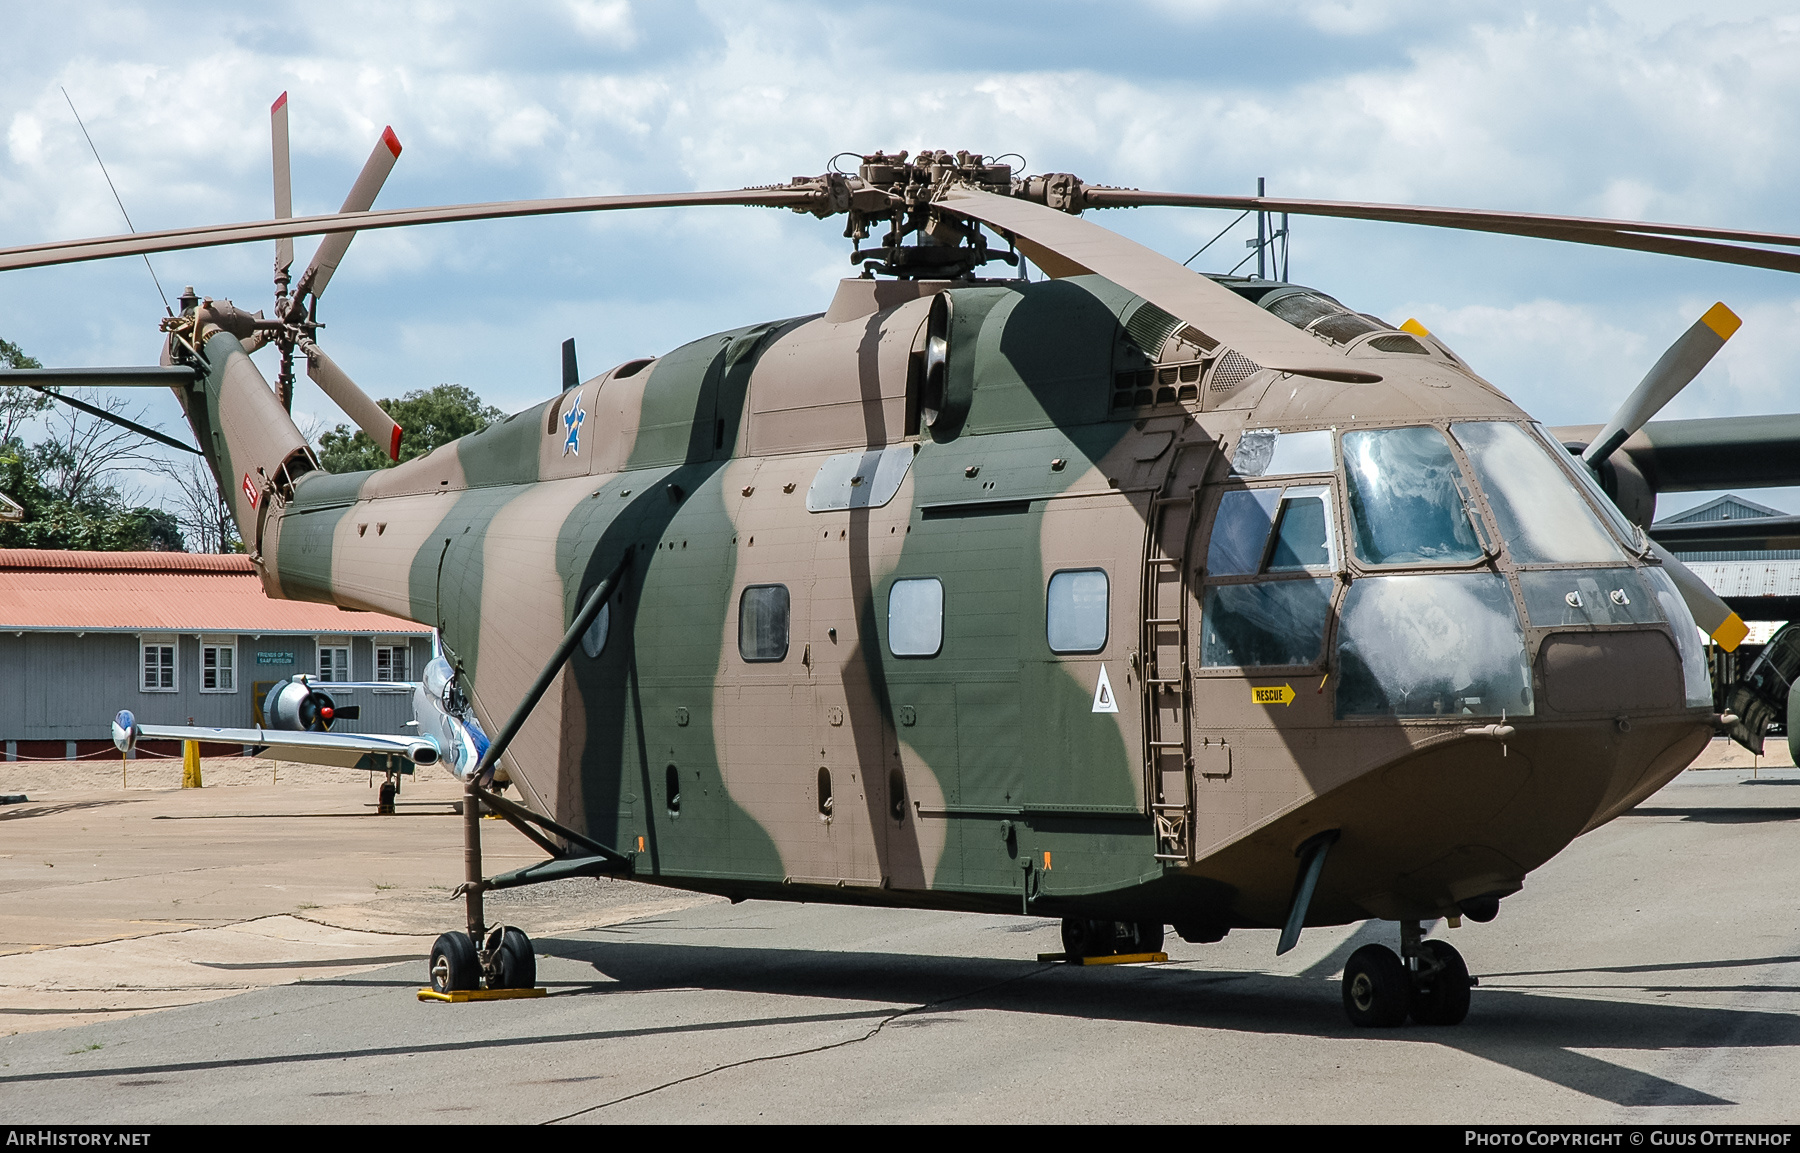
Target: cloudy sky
[(1655, 110)]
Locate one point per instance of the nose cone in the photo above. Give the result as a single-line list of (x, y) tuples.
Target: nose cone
[(327, 713)]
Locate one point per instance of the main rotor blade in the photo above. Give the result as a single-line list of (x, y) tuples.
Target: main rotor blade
[(1714, 616), (1690, 353), (284, 187), (213, 235), (1219, 314), (134, 376), (1722, 245), (362, 195), (343, 391)]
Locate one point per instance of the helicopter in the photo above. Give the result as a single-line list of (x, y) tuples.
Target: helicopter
[(1130, 596)]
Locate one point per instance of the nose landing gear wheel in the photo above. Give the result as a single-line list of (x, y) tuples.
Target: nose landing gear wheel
[(453, 965), (1443, 997), (1377, 988)]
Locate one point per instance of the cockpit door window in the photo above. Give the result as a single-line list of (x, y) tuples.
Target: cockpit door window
[(1408, 499), (1270, 530), (1541, 515), (1273, 536), (1302, 536)]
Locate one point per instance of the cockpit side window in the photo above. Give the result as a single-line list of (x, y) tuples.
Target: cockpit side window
[(1282, 540), (1408, 499), (1541, 515)]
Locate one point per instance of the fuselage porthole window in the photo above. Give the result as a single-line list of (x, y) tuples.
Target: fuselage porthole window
[(763, 623), (1076, 611), (916, 617)]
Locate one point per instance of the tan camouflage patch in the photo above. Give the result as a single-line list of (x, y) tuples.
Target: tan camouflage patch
[(522, 620)]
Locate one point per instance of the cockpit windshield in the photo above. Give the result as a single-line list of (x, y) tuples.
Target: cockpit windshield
[(1542, 517), (1408, 499)]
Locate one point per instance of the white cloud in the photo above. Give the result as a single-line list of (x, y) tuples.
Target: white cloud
[(606, 21), (1680, 112)]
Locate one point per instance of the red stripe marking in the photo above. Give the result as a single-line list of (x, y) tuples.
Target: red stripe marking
[(279, 101), (388, 138), (394, 449)]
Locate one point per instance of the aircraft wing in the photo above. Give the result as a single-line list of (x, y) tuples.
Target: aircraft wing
[(315, 748)]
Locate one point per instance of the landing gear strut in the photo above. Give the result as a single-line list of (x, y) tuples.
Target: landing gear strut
[(1431, 984), (502, 957)]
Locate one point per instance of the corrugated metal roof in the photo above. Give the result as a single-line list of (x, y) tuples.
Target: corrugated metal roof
[(50, 558), (160, 592), (1768, 578)]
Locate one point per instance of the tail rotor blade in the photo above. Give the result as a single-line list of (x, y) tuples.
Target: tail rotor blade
[(362, 196), (1679, 365), (284, 188), (357, 405), (1714, 616)]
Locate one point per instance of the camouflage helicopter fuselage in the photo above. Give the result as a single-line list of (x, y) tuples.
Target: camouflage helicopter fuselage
[(846, 754)]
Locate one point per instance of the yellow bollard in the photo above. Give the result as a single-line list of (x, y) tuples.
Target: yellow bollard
[(190, 764)]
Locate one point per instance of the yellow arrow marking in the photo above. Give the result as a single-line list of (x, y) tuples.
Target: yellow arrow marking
[(1272, 694)]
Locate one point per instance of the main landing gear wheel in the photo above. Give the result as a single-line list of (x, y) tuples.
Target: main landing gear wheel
[(1149, 937), (515, 963), (385, 798), (454, 968), (1440, 997), (1377, 988), (1088, 938)]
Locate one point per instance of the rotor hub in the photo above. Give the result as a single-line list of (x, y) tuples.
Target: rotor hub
[(922, 240)]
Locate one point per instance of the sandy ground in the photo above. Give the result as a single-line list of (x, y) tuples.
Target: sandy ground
[(121, 900)]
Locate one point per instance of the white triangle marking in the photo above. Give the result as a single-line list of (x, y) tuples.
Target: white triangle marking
[(1104, 700)]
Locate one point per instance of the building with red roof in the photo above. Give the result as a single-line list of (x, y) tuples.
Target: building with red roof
[(174, 636)]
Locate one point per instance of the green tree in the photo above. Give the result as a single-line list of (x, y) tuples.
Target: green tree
[(17, 404), (98, 521), (427, 418), (61, 482)]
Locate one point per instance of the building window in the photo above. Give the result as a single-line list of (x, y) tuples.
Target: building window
[(391, 663), (218, 667), (157, 662), (763, 623), (334, 662)]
